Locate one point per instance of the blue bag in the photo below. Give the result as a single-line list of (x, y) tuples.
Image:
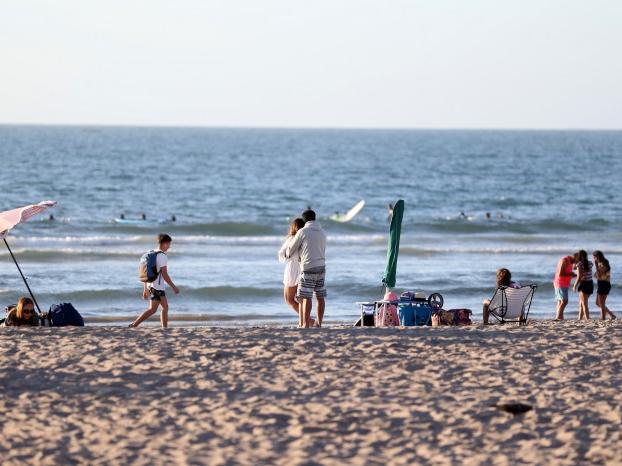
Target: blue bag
[(415, 314), (64, 314)]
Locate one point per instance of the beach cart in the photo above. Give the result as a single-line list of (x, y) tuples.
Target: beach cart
[(414, 309)]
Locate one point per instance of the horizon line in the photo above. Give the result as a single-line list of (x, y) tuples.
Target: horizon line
[(325, 128)]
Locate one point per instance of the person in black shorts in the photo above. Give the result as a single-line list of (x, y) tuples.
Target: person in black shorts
[(584, 283), (155, 291), (603, 277)]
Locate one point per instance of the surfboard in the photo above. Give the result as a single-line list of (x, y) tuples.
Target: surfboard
[(353, 212), (129, 221)]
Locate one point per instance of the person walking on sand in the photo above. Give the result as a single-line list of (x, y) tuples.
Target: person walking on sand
[(310, 244), (603, 277), (155, 285), (583, 283), (561, 282), (292, 266)]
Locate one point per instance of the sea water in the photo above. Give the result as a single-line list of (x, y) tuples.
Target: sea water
[(233, 191)]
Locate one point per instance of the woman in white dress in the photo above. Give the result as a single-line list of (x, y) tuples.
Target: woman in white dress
[(292, 265)]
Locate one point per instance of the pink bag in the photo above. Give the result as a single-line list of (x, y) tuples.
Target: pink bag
[(386, 313)]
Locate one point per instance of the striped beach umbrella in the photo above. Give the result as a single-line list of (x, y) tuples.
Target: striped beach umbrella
[(10, 219)]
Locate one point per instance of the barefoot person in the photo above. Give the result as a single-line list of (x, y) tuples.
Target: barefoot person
[(310, 243), (155, 290), (292, 265), (603, 277), (504, 278), (561, 282), (584, 283)]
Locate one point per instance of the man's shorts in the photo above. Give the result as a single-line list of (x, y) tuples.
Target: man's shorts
[(561, 294), (156, 295), (311, 281)]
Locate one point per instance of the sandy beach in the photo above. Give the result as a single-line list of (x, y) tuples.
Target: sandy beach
[(331, 396)]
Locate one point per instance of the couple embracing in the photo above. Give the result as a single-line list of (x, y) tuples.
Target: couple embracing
[(304, 252)]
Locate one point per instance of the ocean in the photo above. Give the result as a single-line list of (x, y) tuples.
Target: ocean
[(232, 191)]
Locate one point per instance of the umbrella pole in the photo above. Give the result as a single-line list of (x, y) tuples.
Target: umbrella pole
[(23, 278)]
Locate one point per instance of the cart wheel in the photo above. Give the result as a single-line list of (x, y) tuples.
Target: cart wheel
[(435, 301)]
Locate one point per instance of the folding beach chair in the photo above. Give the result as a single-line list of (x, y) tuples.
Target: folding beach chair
[(512, 304)]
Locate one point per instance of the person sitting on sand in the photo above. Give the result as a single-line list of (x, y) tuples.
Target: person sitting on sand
[(504, 278), (583, 283), (292, 266), (603, 277), (23, 314), (561, 282), (310, 243)]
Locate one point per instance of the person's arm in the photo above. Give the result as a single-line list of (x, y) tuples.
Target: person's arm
[(283, 249), (294, 245), (167, 279), (145, 291)]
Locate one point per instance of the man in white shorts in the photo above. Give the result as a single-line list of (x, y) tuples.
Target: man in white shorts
[(310, 242)]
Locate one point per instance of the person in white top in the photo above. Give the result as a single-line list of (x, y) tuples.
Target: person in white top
[(292, 265), (310, 244), (155, 291)]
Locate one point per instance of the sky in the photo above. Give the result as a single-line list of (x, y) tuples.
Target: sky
[(323, 63)]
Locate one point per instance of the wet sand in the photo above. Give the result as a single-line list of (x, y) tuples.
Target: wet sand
[(284, 396)]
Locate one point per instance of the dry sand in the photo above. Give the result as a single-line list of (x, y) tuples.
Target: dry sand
[(330, 396)]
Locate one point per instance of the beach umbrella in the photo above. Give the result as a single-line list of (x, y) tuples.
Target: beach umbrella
[(388, 279), (10, 218)]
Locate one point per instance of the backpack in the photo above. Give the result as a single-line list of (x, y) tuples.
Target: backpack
[(64, 314), (148, 267), (452, 317)]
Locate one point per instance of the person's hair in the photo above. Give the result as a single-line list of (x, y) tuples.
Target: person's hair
[(296, 225), (308, 215), (601, 261), (164, 238), (581, 257), (504, 277), (19, 309)]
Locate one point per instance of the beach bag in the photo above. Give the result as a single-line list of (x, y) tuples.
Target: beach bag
[(148, 266), (386, 315), (63, 315), (462, 316), (451, 317)]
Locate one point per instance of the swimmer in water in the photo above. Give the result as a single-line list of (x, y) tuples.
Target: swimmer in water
[(143, 216)]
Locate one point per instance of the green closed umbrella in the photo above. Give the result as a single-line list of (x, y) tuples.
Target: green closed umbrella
[(388, 279)]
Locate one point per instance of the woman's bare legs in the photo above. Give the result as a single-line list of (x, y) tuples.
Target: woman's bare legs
[(584, 309), (289, 294), (486, 312), (604, 310)]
